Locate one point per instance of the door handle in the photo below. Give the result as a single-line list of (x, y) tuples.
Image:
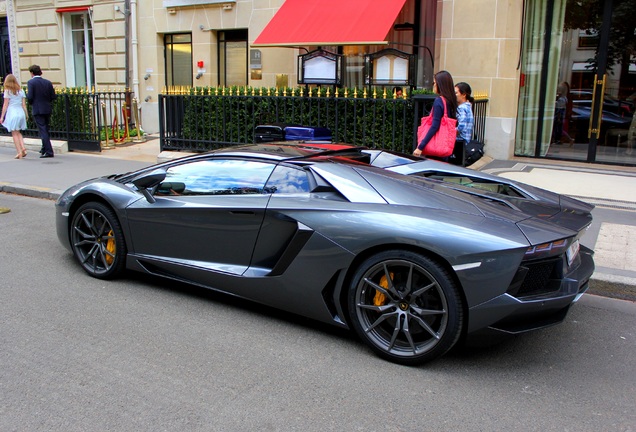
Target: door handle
[(591, 130)]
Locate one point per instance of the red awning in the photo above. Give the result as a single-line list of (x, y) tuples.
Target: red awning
[(330, 22), (71, 9)]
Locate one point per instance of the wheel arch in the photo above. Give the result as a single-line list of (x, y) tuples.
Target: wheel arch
[(362, 256), (83, 199)]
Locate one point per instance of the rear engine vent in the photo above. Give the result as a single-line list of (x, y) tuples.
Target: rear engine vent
[(536, 278)]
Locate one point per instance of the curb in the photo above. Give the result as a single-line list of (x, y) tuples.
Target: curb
[(166, 156), (607, 285), (35, 144), (480, 163), (30, 191)]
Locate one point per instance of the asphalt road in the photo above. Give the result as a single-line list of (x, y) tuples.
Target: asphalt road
[(140, 354)]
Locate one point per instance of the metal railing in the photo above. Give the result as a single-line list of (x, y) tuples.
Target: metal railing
[(203, 119), (198, 122), (86, 120), (479, 112), (208, 118)]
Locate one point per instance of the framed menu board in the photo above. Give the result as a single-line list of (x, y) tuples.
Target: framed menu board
[(320, 67), (390, 67)]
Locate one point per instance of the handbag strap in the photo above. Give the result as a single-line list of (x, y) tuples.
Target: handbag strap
[(444, 101)]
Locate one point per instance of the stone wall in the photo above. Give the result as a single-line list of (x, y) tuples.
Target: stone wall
[(479, 43)]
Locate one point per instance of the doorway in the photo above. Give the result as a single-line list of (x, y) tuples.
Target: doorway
[(233, 57), (5, 45), (579, 96)]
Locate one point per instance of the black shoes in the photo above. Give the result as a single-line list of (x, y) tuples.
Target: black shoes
[(44, 155)]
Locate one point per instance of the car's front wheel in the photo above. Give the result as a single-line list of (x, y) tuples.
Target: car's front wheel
[(405, 306), (97, 241)]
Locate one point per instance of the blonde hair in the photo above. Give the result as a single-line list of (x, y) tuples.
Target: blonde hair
[(11, 83)]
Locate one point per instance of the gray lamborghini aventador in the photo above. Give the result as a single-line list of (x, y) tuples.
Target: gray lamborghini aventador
[(408, 262)]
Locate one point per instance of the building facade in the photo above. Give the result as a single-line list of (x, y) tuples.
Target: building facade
[(518, 53)]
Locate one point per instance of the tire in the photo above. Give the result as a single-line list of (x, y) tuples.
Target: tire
[(97, 241), (406, 307)]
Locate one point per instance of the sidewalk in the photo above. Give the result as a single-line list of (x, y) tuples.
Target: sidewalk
[(611, 189)]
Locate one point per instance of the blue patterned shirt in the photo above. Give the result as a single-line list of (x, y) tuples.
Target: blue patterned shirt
[(465, 122)]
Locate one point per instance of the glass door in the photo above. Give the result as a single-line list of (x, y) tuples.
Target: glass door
[(79, 54), (82, 40), (233, 57), (595, 96)]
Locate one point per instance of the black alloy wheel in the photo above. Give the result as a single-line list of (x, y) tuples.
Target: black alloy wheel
[(97, 241), (406, 307)]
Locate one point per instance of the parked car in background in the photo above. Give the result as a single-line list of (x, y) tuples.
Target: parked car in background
[(409, 263), (583, 98), (580, 123)]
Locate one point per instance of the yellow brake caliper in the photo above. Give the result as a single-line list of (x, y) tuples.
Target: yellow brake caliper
[(379, 299), (110, 247)]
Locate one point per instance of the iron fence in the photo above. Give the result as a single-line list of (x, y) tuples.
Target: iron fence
[(87, 120), (203, 119)]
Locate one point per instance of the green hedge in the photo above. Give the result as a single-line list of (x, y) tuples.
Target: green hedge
[(220, 115)]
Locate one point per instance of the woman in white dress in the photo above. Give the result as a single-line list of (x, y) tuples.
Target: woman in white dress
[(14, 113)]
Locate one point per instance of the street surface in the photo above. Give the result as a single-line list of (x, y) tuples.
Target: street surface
[(141, 354)]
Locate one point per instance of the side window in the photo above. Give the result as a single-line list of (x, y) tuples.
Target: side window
[(288, 180), (216, 177), (178, 58)]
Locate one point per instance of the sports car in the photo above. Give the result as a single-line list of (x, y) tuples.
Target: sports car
[(408, 263)]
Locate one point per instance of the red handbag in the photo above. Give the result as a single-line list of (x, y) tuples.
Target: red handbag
[(443, 142)]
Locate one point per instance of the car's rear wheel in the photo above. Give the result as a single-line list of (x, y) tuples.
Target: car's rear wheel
[(405, 306), (97, 241)]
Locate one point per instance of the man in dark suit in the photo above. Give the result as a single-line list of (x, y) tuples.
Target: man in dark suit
[(40, 94)]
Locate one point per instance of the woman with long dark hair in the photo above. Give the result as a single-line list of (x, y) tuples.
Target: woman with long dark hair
[(444, 87)]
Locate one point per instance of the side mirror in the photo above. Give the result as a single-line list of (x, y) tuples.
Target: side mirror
[(148, 181)]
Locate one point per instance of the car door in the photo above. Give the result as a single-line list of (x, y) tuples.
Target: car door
[(207, 215)]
